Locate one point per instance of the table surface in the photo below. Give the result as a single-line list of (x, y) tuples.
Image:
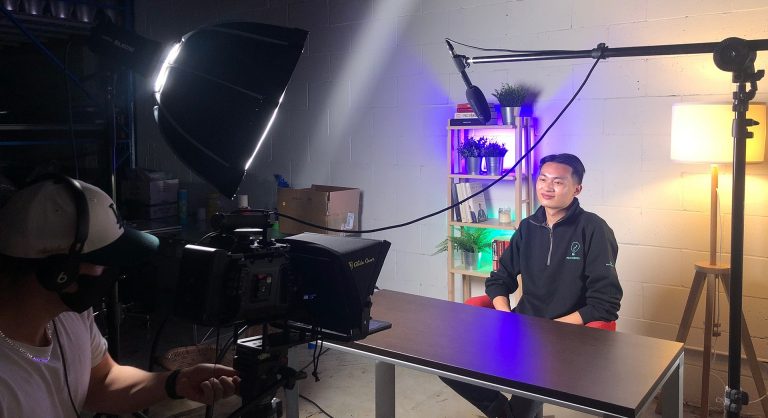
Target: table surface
[(610, 371)]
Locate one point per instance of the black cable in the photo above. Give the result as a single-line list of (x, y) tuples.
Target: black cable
[(316, 405), (311, 362), (235, 336), (155, 340), (513, 51), (70, 119), (64, 366), (493, 183), (209, 408), (314, 361), (316, 358)]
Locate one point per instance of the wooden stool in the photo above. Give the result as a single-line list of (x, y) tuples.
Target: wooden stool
[(710, 273)]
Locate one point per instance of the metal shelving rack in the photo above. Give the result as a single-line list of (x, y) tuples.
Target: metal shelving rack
[(103, 141), (109, 137)]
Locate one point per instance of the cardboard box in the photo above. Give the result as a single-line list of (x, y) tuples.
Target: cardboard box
[(150, 188), (330, 206), (160, 211), (135, 210)]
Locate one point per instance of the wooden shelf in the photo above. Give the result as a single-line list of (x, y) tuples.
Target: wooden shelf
[(490, 223), (459, 128), (510, 177), (482, 273)]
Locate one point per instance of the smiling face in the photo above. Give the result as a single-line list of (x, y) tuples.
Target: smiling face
[(556, 187)]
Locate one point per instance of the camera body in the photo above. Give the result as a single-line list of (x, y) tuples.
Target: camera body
[(314, 283), (218, 287)]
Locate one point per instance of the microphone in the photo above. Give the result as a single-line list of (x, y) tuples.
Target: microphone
[(475, 96)]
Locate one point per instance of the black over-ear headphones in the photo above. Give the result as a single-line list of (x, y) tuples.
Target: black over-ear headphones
[(58, 271)]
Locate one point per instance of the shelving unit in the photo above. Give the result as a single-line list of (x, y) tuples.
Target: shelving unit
[(34, 129), (518, 139), (36, 103)]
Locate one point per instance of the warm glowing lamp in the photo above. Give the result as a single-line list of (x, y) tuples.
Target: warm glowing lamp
[(701, 133)]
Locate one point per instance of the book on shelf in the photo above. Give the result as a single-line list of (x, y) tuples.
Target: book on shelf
[(472, 115), (475, 209), (497, 249), (478, 207), (472, 122), (461, 194), (454, 200), (466, 107)]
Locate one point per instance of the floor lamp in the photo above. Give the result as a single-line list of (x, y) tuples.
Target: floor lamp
[(699, 134)]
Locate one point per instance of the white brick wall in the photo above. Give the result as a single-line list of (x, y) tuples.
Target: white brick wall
[(369, 101)]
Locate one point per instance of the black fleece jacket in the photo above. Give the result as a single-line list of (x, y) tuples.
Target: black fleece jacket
[(569, 267)]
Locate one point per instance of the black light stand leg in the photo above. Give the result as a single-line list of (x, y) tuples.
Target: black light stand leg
[(113, 322), (735, 55)]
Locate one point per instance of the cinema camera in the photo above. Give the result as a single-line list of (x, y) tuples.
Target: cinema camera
[(309, 286)]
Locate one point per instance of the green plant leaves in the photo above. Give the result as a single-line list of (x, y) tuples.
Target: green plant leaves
[(471, 240)]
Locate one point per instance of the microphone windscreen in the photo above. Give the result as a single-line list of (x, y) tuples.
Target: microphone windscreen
[(478, 103)]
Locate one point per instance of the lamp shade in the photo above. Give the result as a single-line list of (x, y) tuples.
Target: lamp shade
[(218, 93), (701, 132)]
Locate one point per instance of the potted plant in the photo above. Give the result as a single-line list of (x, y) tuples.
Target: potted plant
[(494, 157), (470, 243), (511, 97), (471, 150)]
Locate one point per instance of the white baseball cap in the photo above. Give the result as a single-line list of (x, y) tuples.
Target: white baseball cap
[(40, 220)]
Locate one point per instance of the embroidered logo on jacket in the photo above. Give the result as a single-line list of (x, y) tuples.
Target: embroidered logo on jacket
[(575, 247)]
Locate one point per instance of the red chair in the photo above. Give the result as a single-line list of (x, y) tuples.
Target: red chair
[(485, 302)]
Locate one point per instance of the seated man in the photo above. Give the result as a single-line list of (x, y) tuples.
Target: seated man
[(56, 238), (567, 259)]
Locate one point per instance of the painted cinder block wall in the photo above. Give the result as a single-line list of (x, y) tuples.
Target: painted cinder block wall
[(368, 104)]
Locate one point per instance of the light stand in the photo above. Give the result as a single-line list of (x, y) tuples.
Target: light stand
[(739, 59), (734, 55)]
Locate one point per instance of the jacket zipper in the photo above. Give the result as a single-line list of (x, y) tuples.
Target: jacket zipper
[(551, 235), (551, 238)]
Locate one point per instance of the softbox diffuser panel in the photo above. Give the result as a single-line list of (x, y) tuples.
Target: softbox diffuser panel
[(221, 93)]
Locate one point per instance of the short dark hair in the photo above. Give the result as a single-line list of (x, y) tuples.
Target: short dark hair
[(577, 168)]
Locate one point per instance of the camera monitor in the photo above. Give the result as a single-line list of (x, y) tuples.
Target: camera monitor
[(337, 276)]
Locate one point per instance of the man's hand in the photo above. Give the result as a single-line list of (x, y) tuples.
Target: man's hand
[(571, 318), (207, 383)]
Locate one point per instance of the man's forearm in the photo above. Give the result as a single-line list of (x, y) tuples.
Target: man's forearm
[(124, 389), (501, 303)]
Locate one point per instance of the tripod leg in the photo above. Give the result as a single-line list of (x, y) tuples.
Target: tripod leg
[(690, 306), (690, 309), (706, 357), (749, 350)]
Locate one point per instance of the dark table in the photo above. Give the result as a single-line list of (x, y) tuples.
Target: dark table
[(590, 370)]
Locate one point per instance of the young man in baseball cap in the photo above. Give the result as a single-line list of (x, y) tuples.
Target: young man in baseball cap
[(57, 237)]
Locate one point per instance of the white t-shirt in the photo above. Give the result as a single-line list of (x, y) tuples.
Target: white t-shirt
[(33, 389)]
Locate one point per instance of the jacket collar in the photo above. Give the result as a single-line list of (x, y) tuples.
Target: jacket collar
[(540, 216)]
